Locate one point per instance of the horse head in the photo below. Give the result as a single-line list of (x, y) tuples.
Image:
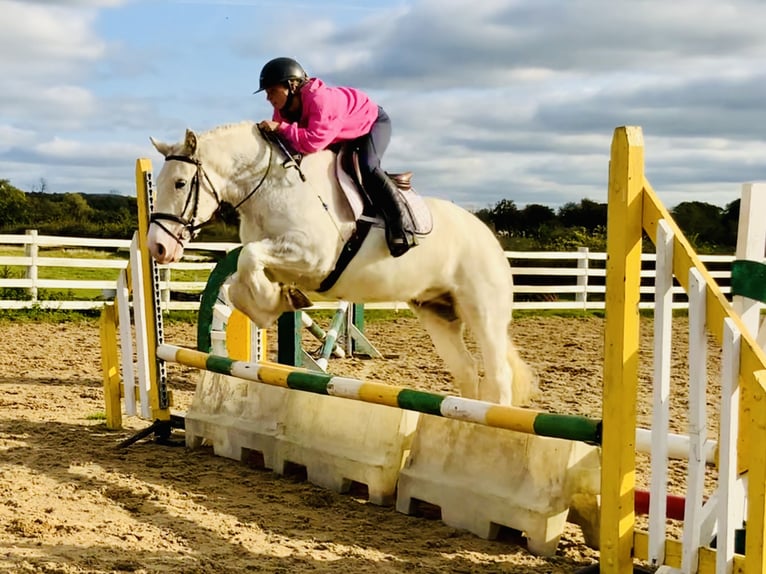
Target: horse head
[(186, 199)]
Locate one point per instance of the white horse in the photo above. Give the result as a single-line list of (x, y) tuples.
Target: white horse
[(293, 232)]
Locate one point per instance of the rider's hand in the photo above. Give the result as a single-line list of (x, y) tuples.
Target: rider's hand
[(268, 125)]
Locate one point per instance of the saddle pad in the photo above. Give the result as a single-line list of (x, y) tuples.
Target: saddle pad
[(422, 221)]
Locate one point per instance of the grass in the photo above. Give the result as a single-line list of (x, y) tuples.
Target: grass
[(565, 313), (75, 273), (81, 273), (37, 315)]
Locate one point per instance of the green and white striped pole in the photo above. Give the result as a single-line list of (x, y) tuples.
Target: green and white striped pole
[(529, 421)]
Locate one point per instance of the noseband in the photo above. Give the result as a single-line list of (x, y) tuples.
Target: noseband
[(189, 228)]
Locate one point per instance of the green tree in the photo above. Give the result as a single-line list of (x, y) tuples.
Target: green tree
[(588, 214), (505, 217), (14, 207), (730, 220), (76, 208), (534, 216), (702, 223), (485, 214)]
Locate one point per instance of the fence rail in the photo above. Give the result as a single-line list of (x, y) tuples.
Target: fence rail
[(544, 280)]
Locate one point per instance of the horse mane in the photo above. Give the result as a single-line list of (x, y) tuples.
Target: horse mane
[(246, 129), (217, 153), (219, 130)]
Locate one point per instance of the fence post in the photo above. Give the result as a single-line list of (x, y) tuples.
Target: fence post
[(31, 250), (582, 280), (621, 339), (751, 244), (165, 288), (289, 332)]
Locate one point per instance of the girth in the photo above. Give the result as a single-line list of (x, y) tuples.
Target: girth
[(350, 249)]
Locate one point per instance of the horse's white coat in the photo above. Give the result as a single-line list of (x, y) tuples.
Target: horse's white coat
[(291, 239)]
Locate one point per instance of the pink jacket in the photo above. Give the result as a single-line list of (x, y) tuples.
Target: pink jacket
[(329, 115)]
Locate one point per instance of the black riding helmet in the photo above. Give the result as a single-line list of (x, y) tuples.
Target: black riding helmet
[(280, 70)]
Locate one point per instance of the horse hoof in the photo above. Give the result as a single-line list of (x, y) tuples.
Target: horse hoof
[(297, 298)]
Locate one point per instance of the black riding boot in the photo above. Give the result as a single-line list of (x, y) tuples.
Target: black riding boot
[(392, 208)]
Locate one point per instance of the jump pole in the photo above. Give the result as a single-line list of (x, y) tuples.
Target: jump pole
[(569, 427)]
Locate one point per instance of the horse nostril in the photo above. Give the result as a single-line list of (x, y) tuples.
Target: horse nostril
[(161, 250)]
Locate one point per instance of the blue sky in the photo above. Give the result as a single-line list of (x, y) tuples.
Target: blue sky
[(490, 100)]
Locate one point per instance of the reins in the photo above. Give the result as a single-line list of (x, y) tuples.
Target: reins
[(189, 228)]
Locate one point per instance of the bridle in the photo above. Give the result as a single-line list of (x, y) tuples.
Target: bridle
[(189, 228)]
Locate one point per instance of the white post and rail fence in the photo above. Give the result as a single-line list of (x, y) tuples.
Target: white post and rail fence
[(51, 272)]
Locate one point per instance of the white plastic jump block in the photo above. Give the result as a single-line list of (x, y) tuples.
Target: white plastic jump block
[(338, 441), (483, 478), (236, 416)]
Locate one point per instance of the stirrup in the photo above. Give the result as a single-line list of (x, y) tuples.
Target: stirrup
[(398, 245)]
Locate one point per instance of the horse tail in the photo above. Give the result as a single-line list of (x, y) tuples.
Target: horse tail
[(524, 384)]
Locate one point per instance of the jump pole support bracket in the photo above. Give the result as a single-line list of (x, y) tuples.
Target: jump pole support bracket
[(162, 431), (164, 421), (348, 325)]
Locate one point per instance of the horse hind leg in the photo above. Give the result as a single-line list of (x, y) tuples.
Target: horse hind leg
[(446, 331), (524, 383), (507, 377)]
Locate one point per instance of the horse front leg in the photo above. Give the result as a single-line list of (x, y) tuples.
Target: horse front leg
[(258, 296)]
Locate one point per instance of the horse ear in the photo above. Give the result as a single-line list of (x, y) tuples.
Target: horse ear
[(190, 143), (161, 147)]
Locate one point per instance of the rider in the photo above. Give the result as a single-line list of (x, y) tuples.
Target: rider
[(311, 116)]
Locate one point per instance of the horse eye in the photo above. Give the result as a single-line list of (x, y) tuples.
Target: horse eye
[(180, 184)]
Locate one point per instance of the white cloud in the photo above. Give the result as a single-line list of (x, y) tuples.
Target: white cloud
[(44, 42), (46, 53), (495, 99), (11, 136), (49, 107), (444, 44)]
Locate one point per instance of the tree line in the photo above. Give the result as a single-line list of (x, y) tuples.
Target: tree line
[(710, 229), (109, 215)]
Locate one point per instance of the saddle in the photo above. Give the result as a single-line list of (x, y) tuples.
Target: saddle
[(402, 180), (416, 215)]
